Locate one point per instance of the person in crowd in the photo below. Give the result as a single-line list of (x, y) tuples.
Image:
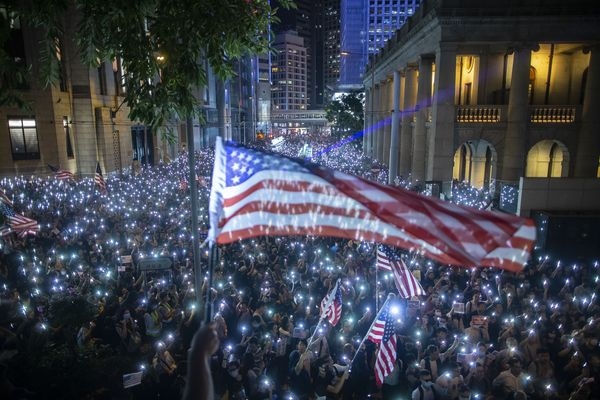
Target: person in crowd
[(128, 332), (511, 381), (85, 335), (300, 372), (427, 389), (153, 322), (165, 368)]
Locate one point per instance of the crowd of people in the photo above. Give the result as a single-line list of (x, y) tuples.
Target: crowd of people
[(477, 333)]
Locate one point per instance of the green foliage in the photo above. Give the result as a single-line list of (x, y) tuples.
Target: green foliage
[(13, 73), (346, 114), (165, 46)]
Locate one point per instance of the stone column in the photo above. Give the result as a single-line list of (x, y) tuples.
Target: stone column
[(588, 143), (515, 140), (377, 120), (423, 103), (441, 142), (387, 130), (395, 133), (408, 112), (380, 115), (368, 121)]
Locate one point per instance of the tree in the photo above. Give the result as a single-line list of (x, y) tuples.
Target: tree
[(346, 114), (160, 44)]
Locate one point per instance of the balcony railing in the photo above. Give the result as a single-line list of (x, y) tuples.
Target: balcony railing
[(555, 114), (478, 114)]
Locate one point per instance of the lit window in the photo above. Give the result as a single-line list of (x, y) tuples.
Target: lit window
[(23, 138)]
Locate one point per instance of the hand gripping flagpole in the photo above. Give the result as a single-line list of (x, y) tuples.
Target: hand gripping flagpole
[(390, 296), (327, 305)]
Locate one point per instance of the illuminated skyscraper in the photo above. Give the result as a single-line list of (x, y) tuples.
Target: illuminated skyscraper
[(288, 71), (365, 27)]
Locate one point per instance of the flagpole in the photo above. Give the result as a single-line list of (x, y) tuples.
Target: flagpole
[(212, 260), (321, 318), (194, 217), (376, 285), (364, 339)]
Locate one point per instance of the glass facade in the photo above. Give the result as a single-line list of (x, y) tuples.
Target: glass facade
[(365, 27)]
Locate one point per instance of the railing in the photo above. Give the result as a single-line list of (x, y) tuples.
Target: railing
[(478, 114), (497, 113), (553, 114)]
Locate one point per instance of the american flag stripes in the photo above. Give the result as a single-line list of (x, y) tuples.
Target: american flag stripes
[(5, 230), (383, 333), (61, 174), (257, 194), (331, 305), (17, 222), (406, 283), (99, 179)]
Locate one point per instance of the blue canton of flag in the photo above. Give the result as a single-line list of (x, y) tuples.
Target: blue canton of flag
[(6, 210), (243, 163)]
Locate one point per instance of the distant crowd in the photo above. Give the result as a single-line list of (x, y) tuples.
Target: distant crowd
[(477, 333)]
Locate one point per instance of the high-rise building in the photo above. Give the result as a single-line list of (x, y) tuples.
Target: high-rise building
[(365, 27), (305, 21), (331, 44), (288, 70)]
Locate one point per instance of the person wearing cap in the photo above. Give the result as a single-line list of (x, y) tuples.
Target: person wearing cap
[(427, 389)]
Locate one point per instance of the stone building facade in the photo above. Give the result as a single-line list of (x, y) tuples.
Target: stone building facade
[(488, 92)]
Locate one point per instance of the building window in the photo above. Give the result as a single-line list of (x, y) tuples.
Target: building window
[(69, 144), (23, 138)]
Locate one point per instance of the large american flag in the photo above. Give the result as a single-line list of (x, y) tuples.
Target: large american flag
[(18, 223), (99, 179), (406, 283), (256, 194), (61, 174), (383, 332), (331, 305)]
